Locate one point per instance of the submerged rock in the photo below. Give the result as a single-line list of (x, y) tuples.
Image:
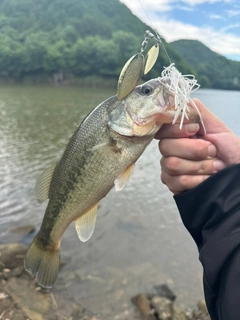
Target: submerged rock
[(143, 304), (164, 291), (161, 306), (21, 299), (201, 312), (12, 255), (17, 234)]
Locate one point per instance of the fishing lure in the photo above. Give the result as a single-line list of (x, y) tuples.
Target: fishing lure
[(181, 86), (137, 65)]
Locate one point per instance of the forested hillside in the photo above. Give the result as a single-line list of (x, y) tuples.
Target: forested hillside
[(83, 38), (213, 70), (57, 39)]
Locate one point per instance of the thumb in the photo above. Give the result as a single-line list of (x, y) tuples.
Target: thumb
[(226, 142)]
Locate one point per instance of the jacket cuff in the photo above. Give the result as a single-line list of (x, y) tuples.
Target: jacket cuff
[(211, 210)]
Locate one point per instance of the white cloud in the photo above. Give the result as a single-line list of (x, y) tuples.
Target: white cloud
[(163, 5), (197, 2), (231, 26), (216, 17), (149, 5), (184, 8), (219, 41), (233, 13)]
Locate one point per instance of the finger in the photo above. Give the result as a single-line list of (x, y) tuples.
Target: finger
[(190, 149), (182, 183), (177, 166), (220, 135), (173, 131)]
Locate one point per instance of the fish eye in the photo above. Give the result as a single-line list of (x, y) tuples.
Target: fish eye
[(146, 90)]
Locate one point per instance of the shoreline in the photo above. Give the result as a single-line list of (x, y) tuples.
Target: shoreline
[(71, 80), (22, 299), (66, 80)]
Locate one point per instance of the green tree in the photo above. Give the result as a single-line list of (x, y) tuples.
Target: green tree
[(12, 55), (37, 46), (94, 56), (56, 57)]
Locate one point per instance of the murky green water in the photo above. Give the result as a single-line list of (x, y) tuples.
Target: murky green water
[(139, 239)]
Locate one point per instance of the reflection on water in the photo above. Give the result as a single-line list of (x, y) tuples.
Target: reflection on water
[(225, 104), (36, 123), (139, 239)]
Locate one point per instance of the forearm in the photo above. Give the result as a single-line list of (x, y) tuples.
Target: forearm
[(211, 213)]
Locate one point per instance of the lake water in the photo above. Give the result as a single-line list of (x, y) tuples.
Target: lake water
[(139, 241)]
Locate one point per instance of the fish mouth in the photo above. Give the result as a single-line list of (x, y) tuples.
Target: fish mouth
[(142, 126), (166, 100), (138, 121), (165, 112)]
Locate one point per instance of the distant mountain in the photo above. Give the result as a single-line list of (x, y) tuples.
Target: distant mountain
[(213, 70)]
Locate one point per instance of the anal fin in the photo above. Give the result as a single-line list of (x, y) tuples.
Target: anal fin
[(85, 225)]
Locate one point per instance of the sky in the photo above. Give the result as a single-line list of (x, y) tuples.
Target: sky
[(216, 23)]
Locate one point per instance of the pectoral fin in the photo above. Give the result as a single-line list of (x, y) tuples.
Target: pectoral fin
[(43, 184), (106, 146), (123, 178), (85, 225)]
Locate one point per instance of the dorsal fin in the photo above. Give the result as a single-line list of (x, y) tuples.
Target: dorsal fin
[(85, 225), (43, 184)]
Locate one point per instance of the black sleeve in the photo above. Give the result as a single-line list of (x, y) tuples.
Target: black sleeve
[(211, 213)]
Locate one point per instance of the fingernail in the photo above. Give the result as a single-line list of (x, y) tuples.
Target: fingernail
[(218, 165), (192, 127), (212, 151)]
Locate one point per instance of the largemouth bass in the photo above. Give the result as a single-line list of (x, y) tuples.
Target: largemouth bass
[(100, 154)]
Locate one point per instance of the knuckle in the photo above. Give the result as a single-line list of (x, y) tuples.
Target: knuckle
[(166, 146), (163, 177), (184, 181), (206, 167), (176, 130), (162, 161), (172, 164), (200, 149), (163, 146), (173, 190), (204, 177), (167, 180)]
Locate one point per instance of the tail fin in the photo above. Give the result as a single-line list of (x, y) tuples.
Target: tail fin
[(43, 264)]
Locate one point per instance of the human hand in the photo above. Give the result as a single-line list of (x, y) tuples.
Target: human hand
[(186, 161)]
